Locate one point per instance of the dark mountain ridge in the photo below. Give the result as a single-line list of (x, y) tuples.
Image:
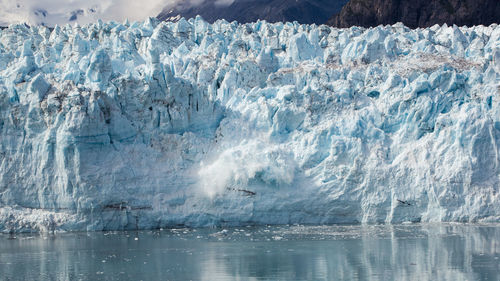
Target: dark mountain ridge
[(243, 11), (417, 13)]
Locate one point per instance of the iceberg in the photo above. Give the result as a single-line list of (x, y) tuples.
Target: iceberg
[(141, 125)]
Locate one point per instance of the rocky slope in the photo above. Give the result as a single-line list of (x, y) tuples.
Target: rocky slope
[(417, 13), (243, 11)]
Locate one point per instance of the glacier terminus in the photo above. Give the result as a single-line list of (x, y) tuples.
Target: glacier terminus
[(137, 125)]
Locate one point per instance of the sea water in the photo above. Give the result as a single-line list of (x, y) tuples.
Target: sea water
[(401, 252)]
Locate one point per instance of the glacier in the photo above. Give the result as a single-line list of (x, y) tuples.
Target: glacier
[(138, 125)]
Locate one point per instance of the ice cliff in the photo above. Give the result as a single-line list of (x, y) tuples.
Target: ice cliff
[(157, 124)]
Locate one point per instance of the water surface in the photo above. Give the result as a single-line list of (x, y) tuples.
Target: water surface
[(406, 252)]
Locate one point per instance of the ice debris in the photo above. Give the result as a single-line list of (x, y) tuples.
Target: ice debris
[(157, 124)]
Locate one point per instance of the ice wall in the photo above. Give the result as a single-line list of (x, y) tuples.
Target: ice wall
[(159, 124)]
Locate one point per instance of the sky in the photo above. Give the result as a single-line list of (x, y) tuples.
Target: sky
[(51, 12)]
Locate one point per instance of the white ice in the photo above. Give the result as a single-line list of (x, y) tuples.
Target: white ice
[(157, 124)]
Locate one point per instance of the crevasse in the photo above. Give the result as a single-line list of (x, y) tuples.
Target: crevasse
[(154, 124)]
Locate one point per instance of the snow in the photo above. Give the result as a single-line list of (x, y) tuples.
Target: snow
[(151, 124), (58, 12)]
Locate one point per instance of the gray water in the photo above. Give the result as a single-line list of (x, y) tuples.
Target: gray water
[(411, 252)]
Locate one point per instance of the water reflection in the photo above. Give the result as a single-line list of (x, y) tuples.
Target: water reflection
[(422, 252)]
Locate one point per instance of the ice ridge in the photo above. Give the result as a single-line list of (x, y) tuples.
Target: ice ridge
[(154, 124)]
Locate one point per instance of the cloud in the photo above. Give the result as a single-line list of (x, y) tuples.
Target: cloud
[(51, 12), (194, 2), (223, 2)]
